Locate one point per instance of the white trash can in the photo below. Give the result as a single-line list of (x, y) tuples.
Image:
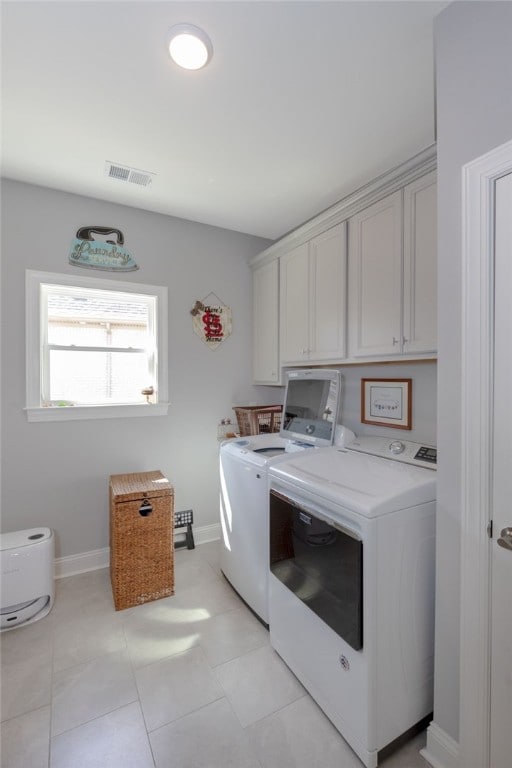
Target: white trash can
[(27, 588)]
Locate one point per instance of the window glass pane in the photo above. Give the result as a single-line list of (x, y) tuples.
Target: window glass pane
[(81, 335), (98, 378), (90, 334), (96, 318), (125, 336), (96, 304)]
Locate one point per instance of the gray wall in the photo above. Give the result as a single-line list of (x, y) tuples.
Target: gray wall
[(57, 473), (424, 400), (474, 115)]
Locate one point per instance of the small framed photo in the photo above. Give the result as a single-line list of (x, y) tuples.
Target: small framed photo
[(387, 402)]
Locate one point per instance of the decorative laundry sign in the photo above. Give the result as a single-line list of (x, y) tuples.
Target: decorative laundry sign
[(211, 320), (101, 248)]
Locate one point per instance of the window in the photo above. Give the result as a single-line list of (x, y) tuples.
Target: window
[(95, 348)]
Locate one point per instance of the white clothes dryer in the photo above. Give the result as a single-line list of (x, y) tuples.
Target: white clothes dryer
[(351, 584)]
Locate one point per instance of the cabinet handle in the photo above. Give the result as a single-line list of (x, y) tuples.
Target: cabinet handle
[(395, 341), (404, 340)]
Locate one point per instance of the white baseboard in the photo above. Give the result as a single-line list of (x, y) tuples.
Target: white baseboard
[(205, 533), (82, 562), (441, 751), (100, 558)]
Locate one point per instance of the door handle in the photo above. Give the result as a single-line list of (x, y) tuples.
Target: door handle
[(505, 539)]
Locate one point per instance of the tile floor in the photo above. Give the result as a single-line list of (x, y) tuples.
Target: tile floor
[(185, 682)]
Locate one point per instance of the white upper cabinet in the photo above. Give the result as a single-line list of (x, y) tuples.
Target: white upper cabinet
[(266, 369), (362, 285), (328, 274), (392, 274), (313, 299), (420, 266), (294, 304), (375, 279)]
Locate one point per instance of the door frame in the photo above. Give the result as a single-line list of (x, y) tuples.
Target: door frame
[(478, 179)]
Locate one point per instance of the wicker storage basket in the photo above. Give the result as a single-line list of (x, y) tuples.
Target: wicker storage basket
[(255, 419), (141, 538)]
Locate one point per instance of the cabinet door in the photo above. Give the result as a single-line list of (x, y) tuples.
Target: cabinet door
[(375, 279), (420, 265), (328, 291), (294, 304), (266, 323)]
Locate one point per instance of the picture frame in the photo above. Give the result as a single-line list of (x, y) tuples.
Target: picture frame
[(387, 402)]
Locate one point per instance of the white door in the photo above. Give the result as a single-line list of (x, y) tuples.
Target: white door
[(501, 610), (486, 567)]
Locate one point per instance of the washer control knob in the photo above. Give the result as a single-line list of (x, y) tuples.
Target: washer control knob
[(397, 447)]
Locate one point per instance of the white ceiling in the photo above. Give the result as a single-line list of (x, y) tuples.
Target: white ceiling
[(302, 103)]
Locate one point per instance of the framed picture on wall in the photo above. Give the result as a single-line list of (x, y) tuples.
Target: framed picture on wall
[(387, 402)]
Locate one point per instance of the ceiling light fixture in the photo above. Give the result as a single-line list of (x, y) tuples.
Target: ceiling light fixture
[(189, 46)]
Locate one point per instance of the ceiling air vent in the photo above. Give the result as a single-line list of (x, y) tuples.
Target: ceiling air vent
[(125, 173)]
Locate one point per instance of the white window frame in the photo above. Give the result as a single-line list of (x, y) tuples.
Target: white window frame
[(35, 318)]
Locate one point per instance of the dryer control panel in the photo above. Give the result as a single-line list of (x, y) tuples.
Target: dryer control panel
[(398, 450)]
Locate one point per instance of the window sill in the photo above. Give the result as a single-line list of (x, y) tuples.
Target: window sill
[(86, 412)]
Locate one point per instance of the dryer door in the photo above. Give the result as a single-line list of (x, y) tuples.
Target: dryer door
[(321, 563)]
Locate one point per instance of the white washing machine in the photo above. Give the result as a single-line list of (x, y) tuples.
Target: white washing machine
[(351, 585), (244, 526), (310, 411)]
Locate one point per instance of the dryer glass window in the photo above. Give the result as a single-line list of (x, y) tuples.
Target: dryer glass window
[(321, 564)]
